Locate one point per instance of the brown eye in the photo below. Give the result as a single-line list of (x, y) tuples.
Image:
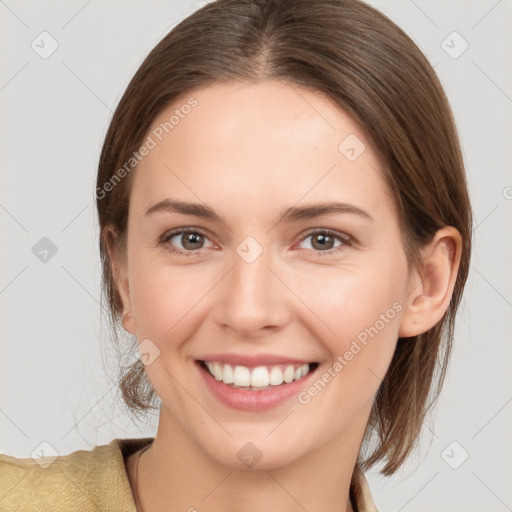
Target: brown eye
[(326, 241), (191, 241), (321, 241), (185, 241)]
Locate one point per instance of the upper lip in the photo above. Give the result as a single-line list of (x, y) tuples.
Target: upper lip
[(253, 360)]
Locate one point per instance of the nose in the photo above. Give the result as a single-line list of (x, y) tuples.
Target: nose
[(253, 301)]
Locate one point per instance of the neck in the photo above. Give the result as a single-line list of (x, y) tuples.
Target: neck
[(174, 474)]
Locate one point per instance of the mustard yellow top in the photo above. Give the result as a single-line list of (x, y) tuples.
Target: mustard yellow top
[(96, 480)]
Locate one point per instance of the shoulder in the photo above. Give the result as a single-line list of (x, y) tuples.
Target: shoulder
[(87, 480)]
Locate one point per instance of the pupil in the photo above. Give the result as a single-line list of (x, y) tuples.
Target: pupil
[(192, 238), (324, 241)]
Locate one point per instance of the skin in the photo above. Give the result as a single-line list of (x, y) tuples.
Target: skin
[(249, 151)]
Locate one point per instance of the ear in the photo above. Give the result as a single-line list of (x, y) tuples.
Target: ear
[(431, 287), (120, 275)]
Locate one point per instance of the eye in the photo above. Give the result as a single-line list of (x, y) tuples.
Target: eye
[(187, 241), (324, 241)]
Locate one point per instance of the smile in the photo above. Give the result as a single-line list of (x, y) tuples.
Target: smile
[(254, 388), (258, 378)]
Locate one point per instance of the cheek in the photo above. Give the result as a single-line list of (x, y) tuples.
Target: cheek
[(365, 321), (348, 300), (360, 311), (166, 300)]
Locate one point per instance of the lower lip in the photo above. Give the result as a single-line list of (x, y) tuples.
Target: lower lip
[(252, 400)]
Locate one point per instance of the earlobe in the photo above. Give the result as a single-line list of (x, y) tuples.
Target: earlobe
[(129, 322), (431, 287)]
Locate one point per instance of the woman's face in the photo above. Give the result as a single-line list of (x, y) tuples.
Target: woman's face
[(263, 284)]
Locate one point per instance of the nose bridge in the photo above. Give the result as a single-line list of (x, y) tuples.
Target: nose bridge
[(253, 298), (251, 276)]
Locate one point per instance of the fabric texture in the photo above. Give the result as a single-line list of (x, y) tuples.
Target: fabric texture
[(96, 480)]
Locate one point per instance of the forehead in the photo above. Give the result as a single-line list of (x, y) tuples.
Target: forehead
[(242, 143)]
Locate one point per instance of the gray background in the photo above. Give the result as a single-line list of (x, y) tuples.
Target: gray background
[(57, 367)]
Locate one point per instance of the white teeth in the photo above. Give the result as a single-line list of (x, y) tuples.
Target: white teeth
[(227, 374), (217, 371), (276, 376), (258, 377), (288, 374), (241, 376)]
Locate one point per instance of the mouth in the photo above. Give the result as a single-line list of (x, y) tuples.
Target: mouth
[(257, 378)]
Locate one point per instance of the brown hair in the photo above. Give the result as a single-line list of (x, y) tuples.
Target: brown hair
[(369, 67)]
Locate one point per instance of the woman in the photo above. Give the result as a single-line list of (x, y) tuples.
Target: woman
[(285, 231)]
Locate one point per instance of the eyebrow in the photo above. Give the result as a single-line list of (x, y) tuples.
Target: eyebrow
[(291, 214)]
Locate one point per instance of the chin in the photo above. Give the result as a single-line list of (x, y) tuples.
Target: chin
[(258, 455)]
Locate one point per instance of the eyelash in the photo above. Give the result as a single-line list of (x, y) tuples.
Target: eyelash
[(345, 240)]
